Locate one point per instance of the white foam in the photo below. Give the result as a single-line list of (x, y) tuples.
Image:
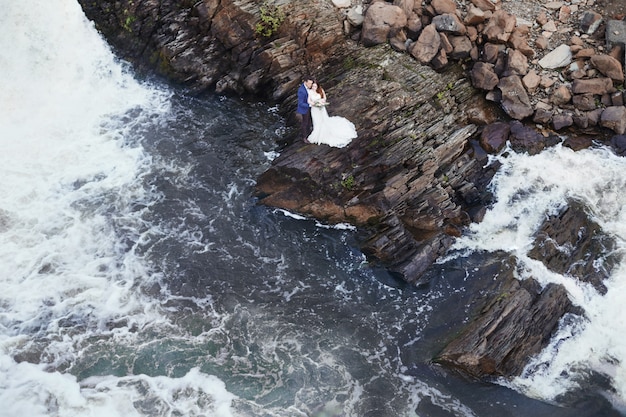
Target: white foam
[(71, 181), (528, 188)]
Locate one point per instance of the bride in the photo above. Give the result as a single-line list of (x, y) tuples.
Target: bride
[(333, 131)]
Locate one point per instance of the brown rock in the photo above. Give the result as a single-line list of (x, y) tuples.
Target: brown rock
[(608, 66), (559, 121), (484, 5), (440, 60), (542, 116), (461, 46), (472, 33), (500, 27), (483, 76), (584, 102), (541, 42), (515, 101), (531, 81), (474, 16), (561, 95), (443, 6), (542, 18), (519, 42), (382, 20), (490, 52), (585, 53), (494, 136), (597, 86), (564, 13), (516, 63), (446, 46), (427, 45), (614, 118), (525, 139)]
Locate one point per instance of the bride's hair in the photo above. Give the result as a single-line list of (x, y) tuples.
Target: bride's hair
[(320, 91)]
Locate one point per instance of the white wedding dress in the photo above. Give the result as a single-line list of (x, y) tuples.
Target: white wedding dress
[(333, 131)]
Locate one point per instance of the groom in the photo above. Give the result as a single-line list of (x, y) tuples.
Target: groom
[(304, 110)]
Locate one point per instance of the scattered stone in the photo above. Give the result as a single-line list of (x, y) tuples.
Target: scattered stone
[(342, 4), (515, 101), (427, 45), (494, 136), (559, 121), (590, 22), (614, 118), (561, 95), (474, 16), (500, 27), (382, 21), (355, 16), (616, 33), (483, 76), (542, 116), (561, 56), (531, 81), (517, 63), (597, 86), (525, 139), (608, 66), (541, 42)]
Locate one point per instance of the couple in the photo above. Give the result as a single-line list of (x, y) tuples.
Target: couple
[(333, 131)]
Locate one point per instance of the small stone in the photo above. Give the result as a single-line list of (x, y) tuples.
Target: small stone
[(559, 57), (342, 4)]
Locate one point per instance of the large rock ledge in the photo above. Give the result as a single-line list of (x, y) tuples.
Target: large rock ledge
[(417, 173)]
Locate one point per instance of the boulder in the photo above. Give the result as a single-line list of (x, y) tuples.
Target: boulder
[(500, 27), (598, 86), (560, 121), (525, 139), (483, 76), (494, 136), (608, 66), (590, 22), (427, 45), (614, 118), (382, 21), (570, 243), (515, 101)]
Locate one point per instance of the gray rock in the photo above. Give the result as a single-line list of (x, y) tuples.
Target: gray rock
[(561, 56), (614, 118)]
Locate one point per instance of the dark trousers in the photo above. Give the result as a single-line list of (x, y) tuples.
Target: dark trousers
[(306, 125)]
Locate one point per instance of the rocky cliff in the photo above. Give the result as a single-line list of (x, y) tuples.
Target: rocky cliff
[(417, 173)]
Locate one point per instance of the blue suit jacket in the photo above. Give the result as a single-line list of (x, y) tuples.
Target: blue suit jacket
[(303, 100)]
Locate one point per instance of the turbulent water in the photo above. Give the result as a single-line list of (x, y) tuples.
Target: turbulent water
[(140, 278)]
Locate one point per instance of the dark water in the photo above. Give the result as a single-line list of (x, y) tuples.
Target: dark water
[(286, 311)]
